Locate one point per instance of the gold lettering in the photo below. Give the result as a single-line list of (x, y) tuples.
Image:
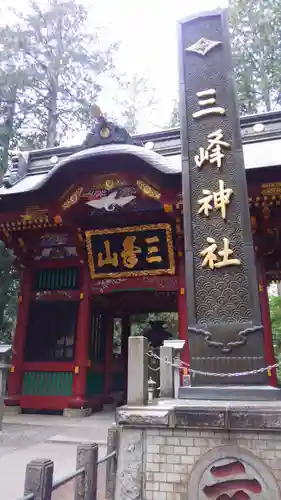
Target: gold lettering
[(152, 250), (220, 199), (205, 202), (214, 152), (208, 98), (129, 254), (208, 254), (108, 259), (210, 259)]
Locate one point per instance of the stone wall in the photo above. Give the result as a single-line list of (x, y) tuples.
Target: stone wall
[(187, 464)]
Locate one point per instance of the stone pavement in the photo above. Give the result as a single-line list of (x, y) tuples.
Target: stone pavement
[(26, 437)]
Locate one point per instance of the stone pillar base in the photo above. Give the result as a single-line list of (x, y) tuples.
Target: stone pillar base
[(12, 410), (77, 412), (199, 449)]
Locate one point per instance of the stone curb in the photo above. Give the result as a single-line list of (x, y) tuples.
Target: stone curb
[(62, 439)]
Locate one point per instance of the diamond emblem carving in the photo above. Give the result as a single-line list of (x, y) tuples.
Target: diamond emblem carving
[(203, 46)]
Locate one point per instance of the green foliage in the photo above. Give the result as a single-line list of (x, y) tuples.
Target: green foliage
[(141, 322), (8, 293), (256, 49), (66, 62), (256, 45), (275, 314), (51, 71), (10, 311)]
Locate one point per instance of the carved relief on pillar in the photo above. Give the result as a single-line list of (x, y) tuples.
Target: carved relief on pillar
[(231, 472), (129, 484)]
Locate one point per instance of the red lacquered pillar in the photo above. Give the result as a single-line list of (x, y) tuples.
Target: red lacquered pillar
[(182, 305), (265, 312), (16, 375), (79, 399)]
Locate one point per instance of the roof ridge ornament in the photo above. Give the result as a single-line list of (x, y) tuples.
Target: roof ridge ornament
[(105, 132), (17, 168)]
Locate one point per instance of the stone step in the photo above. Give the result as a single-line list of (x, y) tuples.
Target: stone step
[(231, 392)]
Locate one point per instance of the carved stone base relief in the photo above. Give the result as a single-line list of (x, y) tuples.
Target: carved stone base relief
[(231, 472), (129, 484)]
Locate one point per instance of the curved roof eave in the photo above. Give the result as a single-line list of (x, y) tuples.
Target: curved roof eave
[(149, 157)]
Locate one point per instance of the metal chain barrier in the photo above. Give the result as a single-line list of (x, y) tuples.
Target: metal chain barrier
[(183, 365)]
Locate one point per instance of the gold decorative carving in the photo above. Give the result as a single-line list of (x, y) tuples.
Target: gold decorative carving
[(110, 184), (271, 189), (148, 190), (73, 198), (168, 208), (132, 274)]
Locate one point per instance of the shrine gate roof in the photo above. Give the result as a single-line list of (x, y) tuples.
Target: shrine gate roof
[(160, 151)]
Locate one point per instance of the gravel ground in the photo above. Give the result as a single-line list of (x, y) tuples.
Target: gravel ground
[(14, 437)]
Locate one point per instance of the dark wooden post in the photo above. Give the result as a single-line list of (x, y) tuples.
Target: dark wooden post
[(224, 319)]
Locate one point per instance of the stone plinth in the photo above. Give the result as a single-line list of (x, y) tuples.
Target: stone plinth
[(193, 450), (77, 412)]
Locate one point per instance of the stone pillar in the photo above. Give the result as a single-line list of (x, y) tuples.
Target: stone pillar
[(16, 375), (39, 479), (225, 331), (79, 399), (166, 372), (111, 464), (86, 484), (137, 393)]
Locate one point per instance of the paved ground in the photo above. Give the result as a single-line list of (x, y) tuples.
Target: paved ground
[(26, 437)]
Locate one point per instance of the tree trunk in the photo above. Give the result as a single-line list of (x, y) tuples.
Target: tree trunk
[(8, 126), (52, 115)]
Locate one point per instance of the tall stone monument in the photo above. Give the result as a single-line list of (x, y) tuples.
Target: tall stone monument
[(225, 330), (212, 444)]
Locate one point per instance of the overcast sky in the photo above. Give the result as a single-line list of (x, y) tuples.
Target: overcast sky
[(147, 31)]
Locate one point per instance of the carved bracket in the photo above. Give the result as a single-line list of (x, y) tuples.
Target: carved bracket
[(226, 347)]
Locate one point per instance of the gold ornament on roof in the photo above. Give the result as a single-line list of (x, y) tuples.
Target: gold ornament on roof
[(111, 184), (105, 132), (148, 190)]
